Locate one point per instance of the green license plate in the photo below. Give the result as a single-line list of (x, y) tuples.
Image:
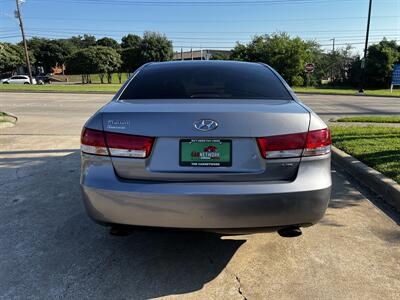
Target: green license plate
[(205, 153)]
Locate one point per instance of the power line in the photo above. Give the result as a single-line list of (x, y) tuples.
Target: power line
[(120, 20), (214, 32), (200, 3)]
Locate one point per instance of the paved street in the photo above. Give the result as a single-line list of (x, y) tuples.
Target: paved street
[(328, 106), (50, 249)]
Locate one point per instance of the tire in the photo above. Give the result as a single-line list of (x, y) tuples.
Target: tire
[(26, 83), (6, 82)]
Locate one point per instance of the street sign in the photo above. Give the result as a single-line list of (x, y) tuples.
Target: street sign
[(395, 77), (309, 68)]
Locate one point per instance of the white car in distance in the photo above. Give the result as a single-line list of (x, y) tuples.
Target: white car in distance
[(18, 79)]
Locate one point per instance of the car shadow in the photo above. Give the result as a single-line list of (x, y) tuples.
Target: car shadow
[(342, 195), (51, 249)]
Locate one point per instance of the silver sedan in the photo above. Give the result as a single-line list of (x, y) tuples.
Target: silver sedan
[(207, 145)]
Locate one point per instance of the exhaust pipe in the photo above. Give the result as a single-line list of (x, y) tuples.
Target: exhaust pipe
[(291, 231)]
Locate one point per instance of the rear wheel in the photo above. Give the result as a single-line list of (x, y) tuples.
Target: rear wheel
[(26, 83), (6, 82)]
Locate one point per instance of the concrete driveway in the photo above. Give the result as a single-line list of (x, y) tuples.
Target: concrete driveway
[(50, 249)]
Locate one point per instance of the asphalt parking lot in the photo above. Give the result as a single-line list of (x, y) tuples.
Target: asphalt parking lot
[(50, 249)]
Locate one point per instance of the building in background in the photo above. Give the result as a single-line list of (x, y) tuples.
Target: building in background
[(205, 54)]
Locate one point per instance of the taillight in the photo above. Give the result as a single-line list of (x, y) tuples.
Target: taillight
[(282, 146), (93, 142), (318, 142), (115, 144), (129, 145), (295, 145)]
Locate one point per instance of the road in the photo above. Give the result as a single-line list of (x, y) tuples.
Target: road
[(331, 106), (50, 249)]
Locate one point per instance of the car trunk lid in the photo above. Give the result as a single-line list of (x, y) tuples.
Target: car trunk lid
[(171, 122)]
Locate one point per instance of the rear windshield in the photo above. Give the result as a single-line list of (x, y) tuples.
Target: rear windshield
[(205, 80)]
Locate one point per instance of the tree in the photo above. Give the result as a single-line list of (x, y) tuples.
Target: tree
[(50, 53), (155, 47), (92, 60), (131, 41), (131, 59), (380, 61), (108, 61), (152, 47), (287, 55), (108, 42), (11, 57), (81, 62), (379, 68), (84, 41)]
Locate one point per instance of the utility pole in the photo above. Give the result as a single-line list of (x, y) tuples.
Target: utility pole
[(333, 54), (21, 25), (364, 61), (181, 53)]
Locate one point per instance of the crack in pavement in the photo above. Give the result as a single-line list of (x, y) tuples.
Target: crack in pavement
[(240, 290)]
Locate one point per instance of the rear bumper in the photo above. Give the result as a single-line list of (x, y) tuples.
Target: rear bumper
[(202, 205)]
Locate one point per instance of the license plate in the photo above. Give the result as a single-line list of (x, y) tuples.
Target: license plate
[(205, 153)]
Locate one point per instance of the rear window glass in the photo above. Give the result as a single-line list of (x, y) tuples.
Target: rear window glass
[(205, 80)]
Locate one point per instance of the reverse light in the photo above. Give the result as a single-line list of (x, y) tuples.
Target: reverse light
[(115, 144), (295, 145), (127, 145)]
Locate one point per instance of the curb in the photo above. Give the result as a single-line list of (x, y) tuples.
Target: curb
[(385, 187)]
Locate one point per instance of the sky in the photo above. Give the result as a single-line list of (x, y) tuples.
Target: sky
[(206, 24)]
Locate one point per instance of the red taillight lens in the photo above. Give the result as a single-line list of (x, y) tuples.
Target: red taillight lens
[(318, 142), (295, 145), (282, 146), (129, 145), (115, 144), (93, 142)]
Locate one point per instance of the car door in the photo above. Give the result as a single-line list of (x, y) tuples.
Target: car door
[(16, 80), (12, 79), (21, 80)]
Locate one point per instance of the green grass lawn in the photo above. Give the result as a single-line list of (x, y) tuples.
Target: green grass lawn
[(371, 119), (378, 147), (340, 91)]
